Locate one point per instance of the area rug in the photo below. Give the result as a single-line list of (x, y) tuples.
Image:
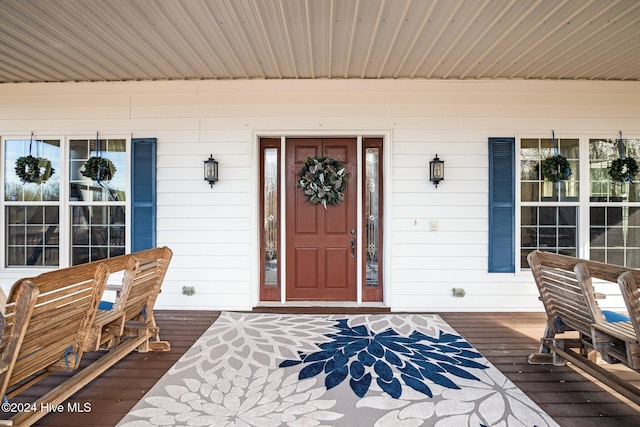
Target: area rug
[(334, 370)]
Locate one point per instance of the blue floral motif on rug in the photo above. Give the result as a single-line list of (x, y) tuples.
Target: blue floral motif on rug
[(283, 370), (362, 355)]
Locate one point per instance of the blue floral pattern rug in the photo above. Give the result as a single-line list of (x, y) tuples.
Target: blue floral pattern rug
[(334, 370)]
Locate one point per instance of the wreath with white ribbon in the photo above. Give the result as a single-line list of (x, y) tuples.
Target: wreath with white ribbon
[(323, 180), (30, 169), (99, 169), (556, 168), (623, 170)]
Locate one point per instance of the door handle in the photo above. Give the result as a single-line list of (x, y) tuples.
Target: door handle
[(353, 247)]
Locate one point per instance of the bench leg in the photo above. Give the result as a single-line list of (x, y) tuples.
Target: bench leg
[(544, 355), (149, 331)]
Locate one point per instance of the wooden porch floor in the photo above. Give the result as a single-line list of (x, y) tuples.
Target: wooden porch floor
[(505, 339)]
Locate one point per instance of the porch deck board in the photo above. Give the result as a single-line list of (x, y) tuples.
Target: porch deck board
[(505, 339)]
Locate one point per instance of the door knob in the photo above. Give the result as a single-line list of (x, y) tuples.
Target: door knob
[(353, 247)]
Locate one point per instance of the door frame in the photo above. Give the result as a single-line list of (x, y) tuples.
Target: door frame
[(387, 203)]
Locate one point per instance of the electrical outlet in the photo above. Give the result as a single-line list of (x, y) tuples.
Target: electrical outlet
[(458, 292)]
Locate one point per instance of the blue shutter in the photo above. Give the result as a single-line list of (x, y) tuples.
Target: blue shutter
[(143, 197), (502, 205)]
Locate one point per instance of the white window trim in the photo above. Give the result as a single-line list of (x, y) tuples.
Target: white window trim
[(65, 211), (583, 225)]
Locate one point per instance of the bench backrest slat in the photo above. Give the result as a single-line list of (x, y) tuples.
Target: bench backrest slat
[(18, 311), (566, 291), (597, 270), (145, 285), (631, 294)]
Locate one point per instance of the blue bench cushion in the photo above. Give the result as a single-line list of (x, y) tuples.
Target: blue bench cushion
[(612, 316), (105, 305)]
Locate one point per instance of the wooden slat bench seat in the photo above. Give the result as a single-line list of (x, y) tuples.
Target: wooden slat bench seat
[(50, 333), (131, 315), (51, 320), (567, 293)]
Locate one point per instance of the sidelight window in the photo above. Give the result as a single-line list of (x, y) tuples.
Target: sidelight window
[(372, 219), (270, 236)]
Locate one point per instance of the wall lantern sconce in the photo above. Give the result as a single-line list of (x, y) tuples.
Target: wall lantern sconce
[(436, 170), (211, 170)]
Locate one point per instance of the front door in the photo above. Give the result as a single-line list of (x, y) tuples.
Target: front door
[(321, 242)]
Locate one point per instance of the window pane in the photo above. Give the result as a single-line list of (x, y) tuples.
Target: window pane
[(97, 233), (602, 152), (47, 186), (372, 216), (270, 216), (634, 216), (84, 188), (529, 191), (534, 187), (547, 215), (32, 236), (529, 215), (548, 228), (619, 241), (597, 237), (597, 216)]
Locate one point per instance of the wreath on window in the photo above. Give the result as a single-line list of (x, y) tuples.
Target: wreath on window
[(623, 170), (29, 169), (323, 180), (99, 169), (556, 168)]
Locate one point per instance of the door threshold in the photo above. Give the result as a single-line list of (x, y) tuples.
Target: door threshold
[(337, 307)]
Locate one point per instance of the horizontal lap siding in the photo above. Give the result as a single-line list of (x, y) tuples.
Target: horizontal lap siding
[(213, 232)]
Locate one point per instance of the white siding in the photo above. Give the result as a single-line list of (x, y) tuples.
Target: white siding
[(213, 232)]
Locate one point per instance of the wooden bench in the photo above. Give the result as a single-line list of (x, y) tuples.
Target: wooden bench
[(52, 319), (131, 316), (568, 296), (47, 322)]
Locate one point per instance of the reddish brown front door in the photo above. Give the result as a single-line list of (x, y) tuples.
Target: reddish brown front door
[(321, 258)]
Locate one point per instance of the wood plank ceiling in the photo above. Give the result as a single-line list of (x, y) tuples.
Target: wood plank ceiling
[(121, 40)]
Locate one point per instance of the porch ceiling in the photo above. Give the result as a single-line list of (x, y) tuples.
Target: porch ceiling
[(99, 40)]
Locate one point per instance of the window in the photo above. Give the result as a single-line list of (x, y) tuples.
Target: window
[(373, 217), (548, 210), (270, 233), (614, 207), (63, 217), (599, 219), (97, 207), (32, 209)]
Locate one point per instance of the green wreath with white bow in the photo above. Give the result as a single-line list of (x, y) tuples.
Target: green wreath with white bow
[(33, 169), (623, 170), (323, 180), (556, 168)]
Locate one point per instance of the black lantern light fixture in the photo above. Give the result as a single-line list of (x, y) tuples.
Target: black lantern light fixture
[(211, 170), (436, 170)]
